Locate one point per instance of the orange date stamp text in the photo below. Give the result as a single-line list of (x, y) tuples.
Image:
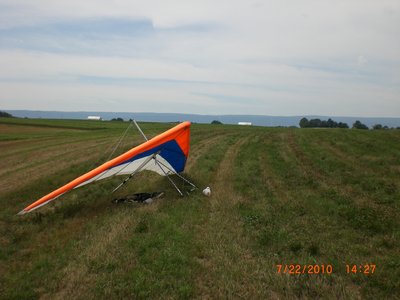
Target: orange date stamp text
[(297, 269)]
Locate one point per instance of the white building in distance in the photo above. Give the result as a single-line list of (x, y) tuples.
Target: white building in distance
[(245, 123), (95, 118)]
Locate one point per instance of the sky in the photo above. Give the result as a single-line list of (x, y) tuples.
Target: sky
[(272, 57)]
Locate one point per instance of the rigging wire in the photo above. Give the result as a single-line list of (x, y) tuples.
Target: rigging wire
[(116, 145), (119, 142)]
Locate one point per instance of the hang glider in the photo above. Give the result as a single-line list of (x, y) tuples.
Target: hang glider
[(164, 154)]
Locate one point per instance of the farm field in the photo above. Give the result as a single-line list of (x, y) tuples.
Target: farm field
[(280, 196)]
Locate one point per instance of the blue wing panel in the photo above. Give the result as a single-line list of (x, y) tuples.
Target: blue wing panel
[(170, 151)]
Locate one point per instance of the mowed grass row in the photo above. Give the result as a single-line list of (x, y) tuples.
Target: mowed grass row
[(280, 196), (312, 217)]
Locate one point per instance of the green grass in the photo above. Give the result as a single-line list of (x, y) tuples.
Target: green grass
[(279, 196)]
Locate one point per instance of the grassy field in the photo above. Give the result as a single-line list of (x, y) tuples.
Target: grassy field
[(280, 196)]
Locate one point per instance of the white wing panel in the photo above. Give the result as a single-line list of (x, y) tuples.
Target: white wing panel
[(130, 167)]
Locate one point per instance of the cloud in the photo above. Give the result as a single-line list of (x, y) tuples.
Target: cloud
[(272, 57), (361, 60)]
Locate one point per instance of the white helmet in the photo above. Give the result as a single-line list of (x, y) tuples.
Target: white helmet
[(207, 191)]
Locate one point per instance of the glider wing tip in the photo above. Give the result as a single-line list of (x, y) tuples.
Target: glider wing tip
[(22, 212)]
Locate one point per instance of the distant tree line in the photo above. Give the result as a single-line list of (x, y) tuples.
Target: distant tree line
[(4, 114), (359, 125), (117, 119), (317, 123), (380, 127)]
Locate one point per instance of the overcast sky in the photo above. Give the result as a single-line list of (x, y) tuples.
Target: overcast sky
[(281, 57)]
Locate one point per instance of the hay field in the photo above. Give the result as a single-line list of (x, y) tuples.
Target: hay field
[(280, 196)]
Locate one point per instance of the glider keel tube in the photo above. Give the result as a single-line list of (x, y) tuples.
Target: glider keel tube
[(171, 147)]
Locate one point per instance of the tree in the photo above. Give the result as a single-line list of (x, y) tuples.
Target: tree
[(331, 124), (117, 119), (315, 123), (358, 125), (216, 122), (304, 123), (342, 125), (377, 127), (4, 114)]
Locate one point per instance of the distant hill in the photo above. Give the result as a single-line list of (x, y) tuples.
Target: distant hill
[(258, 120)]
